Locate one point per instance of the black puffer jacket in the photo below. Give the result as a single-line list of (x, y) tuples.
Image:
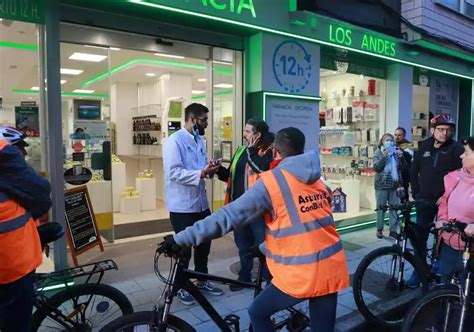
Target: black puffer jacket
[(430, 165)]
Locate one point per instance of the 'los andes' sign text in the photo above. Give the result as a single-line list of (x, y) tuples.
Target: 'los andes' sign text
[(369, 43)]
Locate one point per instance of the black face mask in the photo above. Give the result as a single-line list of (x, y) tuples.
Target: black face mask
[(198, 130)]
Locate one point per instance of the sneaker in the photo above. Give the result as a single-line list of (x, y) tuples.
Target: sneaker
[(379, 234), (210, 288), (185, 297), (414, 281), (235, 288), (393, 234)]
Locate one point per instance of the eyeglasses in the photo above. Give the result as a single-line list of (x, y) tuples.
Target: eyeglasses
[(444, 130), (203, 120)]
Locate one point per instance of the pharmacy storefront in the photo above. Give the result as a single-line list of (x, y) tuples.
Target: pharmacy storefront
[(119, 74)]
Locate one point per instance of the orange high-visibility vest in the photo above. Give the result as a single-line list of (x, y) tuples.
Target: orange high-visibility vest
[(251, 176), (303, 249), (20, 246)]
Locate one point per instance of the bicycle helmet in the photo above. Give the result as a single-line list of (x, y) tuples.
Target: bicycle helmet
[(13, 136), (442, 119)]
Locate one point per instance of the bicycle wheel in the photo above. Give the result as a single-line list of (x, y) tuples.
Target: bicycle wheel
[(88, 307), (141, 321), (439, 310), (380, 298)]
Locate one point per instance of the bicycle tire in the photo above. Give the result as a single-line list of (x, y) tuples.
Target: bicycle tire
[(423, 309), (75, 292), (143, 318), (375, 314)]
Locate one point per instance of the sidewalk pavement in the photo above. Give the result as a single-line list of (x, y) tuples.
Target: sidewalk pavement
[(136, 278)]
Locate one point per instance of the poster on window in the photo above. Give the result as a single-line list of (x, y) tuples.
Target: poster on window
[(444, 92), (27, 120), (95, 130), (283, 112)]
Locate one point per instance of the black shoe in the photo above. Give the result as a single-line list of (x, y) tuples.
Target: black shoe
[(393, 235), (235, 288)]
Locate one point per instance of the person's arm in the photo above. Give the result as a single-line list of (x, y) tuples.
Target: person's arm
[(414, 171), (175, 167), (21, 181), (259, 163), (379, 161), (247, 208), (223, 173)]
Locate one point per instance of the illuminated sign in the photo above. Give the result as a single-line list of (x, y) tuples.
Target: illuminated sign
[(21, 10), (233, 6), (369, 43)]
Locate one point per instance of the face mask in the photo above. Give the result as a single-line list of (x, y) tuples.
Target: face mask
[(388, 144), (196, 130)]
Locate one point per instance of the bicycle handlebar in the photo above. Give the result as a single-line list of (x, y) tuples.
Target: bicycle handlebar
[(404, 207), (458, 227)]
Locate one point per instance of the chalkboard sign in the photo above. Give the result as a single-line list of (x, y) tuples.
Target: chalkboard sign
[(83, 233)]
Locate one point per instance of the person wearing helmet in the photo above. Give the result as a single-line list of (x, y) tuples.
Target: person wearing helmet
[(24, 197), (14, 137), (437, 156)]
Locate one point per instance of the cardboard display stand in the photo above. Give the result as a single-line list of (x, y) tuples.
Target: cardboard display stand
[(83, 233)]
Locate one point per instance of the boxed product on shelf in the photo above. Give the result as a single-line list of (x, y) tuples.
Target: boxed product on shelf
[(358, 111), (371, 111)]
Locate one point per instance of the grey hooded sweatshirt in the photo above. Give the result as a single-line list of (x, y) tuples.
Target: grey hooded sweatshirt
[(251, 206)]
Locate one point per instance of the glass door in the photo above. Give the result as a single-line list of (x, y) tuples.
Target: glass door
[(227, 112)]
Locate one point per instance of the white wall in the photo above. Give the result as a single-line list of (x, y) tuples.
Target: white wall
[(124, 97)]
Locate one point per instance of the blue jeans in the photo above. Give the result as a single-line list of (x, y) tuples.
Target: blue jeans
[(246, 237), (16, 304), (322, 309), (450, 261), (382, 197)]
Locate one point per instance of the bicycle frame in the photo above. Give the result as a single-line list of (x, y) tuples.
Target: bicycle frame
[(180, 278)]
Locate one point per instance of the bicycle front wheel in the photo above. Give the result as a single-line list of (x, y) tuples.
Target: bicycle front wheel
[(85, 307), (439, 310), (142, 321), (378, 294)]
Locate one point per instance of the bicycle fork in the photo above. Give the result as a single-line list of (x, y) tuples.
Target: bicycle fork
[(401, 265), (164, 310), (466, 293)]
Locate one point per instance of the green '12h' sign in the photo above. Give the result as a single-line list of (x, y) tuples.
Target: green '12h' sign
[(23, 10)]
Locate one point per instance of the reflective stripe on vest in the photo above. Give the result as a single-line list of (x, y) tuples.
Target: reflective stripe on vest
[(15, 223), (303, 250)]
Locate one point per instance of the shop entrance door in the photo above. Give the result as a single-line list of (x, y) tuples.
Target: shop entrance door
[(139, 90)]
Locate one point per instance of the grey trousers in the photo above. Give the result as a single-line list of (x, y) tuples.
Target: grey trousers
[(382, 197)]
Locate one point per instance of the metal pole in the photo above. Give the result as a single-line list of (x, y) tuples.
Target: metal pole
[(55, 142), (43, 117)]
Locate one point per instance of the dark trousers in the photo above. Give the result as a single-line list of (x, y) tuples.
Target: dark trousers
[(247, 237), (426, 211), (180, 221), (450, 262), (16, 304), (322, 309)]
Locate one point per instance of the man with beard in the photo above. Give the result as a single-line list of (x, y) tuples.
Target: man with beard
[(186, 167), (247, 163)]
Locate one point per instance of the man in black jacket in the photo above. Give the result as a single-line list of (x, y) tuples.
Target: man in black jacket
[(436, 157), (407, 148), (246, 165)]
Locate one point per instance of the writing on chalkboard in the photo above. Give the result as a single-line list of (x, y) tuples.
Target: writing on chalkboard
[(81, 224)]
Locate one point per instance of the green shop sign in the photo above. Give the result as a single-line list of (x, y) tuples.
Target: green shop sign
[(279, 17), (23, 10), (366, 42)]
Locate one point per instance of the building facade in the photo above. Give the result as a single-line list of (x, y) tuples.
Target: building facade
[(102, 84)]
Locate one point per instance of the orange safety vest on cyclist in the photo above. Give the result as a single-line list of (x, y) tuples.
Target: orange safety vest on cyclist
[(302, 247), (251, 176), (20, 246)]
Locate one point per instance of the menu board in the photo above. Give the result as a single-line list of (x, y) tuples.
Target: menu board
[(82, 228)]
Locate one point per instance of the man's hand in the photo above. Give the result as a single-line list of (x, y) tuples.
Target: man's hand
[(469, 230), (169, 245), (209, 170)]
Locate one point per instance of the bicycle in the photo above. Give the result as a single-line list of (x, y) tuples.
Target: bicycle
[(76, 308), (379, 282), (448, 307), (160, 319)]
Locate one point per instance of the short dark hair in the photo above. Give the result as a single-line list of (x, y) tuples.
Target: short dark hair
[(290, 142), (402, 129), (258, 125), (469, 141), (194, 110)]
